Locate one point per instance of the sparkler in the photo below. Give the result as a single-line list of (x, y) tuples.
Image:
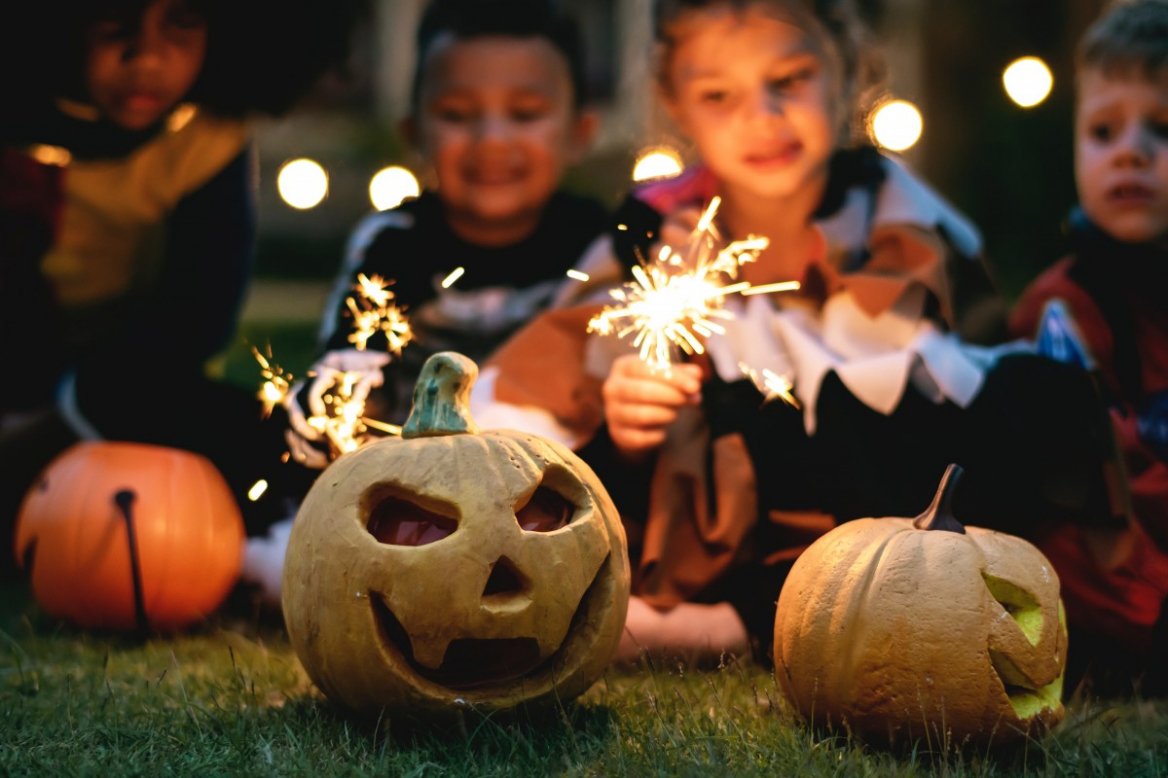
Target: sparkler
[(276, 381), (373, 311), (678, 298), (772, 385), (344, 423)]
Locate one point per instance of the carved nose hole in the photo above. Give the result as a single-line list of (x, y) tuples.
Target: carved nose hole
[(504, 580)]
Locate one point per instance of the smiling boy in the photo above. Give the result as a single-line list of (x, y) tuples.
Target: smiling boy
[(1115, 284), (498, 114)]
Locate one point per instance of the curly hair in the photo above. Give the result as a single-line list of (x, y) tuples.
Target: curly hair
[(262, 55)]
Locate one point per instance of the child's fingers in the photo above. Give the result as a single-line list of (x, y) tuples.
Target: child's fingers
[(633, 441), (631, 379), (638, 391), (640, 415)]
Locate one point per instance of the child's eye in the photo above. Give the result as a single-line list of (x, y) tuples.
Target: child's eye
[(528, 112), (455, 114), (1100, 132), (1159, 129), (791, 80), (713, 96)]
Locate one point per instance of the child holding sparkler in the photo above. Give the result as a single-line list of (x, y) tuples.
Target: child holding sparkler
[(127, 220), (499, 112), (739, 483), (1114, 285)]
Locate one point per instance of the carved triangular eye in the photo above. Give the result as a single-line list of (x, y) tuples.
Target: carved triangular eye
[(399, 522), (1021, 605), (545, 511)]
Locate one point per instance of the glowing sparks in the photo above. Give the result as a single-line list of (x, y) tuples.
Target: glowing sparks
[(455, 274), (781, 286), (676, 300), (578, 275), (341, 424), (257, 490), (772, 385), (276, 382), (373, 311)]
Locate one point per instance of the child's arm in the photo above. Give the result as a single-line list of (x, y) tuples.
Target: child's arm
[(640, 403)]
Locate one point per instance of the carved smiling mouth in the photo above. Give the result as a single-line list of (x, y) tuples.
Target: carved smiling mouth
[(471, 663)]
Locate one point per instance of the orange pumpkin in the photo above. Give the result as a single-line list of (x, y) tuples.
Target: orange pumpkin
[(900, 627), (449, 568), (127, 535)]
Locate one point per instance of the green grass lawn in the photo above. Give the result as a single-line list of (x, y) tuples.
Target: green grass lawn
[(231, 698)]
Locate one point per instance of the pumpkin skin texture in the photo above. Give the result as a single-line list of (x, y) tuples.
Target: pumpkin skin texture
[(411, 587), (72, 537), (900, 628)]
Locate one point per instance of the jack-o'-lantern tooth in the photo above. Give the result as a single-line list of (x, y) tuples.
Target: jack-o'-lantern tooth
[(430, 650)]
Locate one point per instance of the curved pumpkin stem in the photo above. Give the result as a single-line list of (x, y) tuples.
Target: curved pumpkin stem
[(442, 397), (939, 514)]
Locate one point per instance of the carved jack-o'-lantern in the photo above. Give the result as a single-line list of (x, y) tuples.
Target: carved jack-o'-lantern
[(128, 535), (893, 626), (449, 567)]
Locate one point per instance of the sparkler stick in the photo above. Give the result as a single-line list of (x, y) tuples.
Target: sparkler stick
[(678, 299)]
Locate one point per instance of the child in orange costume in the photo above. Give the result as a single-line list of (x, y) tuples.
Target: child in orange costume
[(1114, 586)]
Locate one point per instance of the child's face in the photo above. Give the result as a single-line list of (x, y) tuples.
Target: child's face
[(1121, 154), (756, 96), (136, 73), (497, 121)]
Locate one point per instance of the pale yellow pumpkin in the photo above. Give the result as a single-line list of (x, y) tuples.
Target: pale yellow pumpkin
[(897, 628), (451, 568)]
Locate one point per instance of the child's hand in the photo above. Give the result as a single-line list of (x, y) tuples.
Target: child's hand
[(640, 404), (362, 367)]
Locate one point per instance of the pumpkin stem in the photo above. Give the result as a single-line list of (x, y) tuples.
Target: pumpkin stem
[(442, 397), (939, 514)]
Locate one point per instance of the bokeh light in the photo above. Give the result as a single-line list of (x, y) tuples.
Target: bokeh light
[(391, 185), (657, 162), (896, 125), (302, 183), (1028, 81)]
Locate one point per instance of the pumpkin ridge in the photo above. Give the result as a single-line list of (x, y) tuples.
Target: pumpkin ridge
[(858, 609)]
